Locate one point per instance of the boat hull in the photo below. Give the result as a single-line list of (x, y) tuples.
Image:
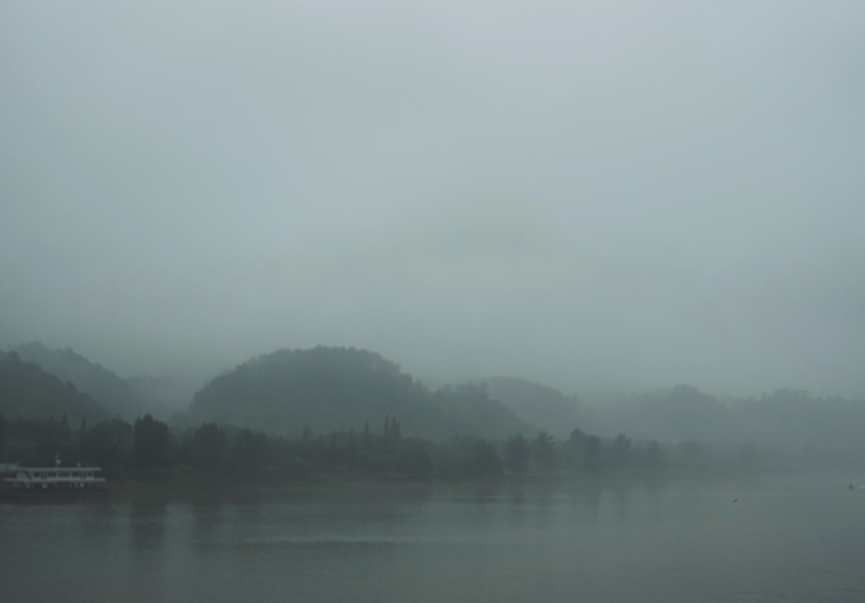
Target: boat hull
[(37, 494)]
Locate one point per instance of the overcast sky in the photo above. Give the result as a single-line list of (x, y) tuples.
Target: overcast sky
[(598, 195)]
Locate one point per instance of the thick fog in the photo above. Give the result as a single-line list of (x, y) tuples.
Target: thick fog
[(615, 195)]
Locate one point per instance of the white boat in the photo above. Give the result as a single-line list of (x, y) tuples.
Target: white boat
[(21, 481)]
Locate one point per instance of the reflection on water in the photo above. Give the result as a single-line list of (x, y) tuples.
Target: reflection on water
[(147, 525), (790, 539)]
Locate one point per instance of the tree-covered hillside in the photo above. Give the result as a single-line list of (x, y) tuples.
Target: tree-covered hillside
[(28, 392), (112, 392), (801, 427), (683, 413), (326, 389), (541, 405)]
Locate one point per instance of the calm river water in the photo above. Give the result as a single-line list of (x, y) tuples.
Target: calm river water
[(775, 539)]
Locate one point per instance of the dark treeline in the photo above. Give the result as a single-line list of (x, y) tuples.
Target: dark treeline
[(149, 449)]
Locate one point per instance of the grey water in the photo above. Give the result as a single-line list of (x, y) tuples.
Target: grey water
[(792, 538)]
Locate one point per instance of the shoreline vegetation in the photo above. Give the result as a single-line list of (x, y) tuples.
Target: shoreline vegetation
[(302, 418), (148, 455)]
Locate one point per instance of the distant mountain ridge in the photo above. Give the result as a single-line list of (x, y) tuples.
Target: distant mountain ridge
[(333, 388), (28, 392), (329, 389), (541, 405), (793, 422), (683, 413), (113, 393)]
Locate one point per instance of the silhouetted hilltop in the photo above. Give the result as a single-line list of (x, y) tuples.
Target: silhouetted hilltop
[(113, 393), (328, 389), (470, 410), (540, 405), (28, 392)]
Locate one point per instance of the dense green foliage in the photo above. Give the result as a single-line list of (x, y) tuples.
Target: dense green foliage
[(327, 389)]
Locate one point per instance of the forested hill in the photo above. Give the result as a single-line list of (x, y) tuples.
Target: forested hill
[(814, 429), (28, 392), (681, 414), (112, 392), (326, 389), (543, 406)]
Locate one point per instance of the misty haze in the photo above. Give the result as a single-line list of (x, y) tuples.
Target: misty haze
[(404, 301)]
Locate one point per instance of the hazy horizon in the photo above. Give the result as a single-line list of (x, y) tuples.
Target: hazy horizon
[(613, 197)]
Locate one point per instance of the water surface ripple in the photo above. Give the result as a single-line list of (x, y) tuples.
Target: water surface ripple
[(795, 538)]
